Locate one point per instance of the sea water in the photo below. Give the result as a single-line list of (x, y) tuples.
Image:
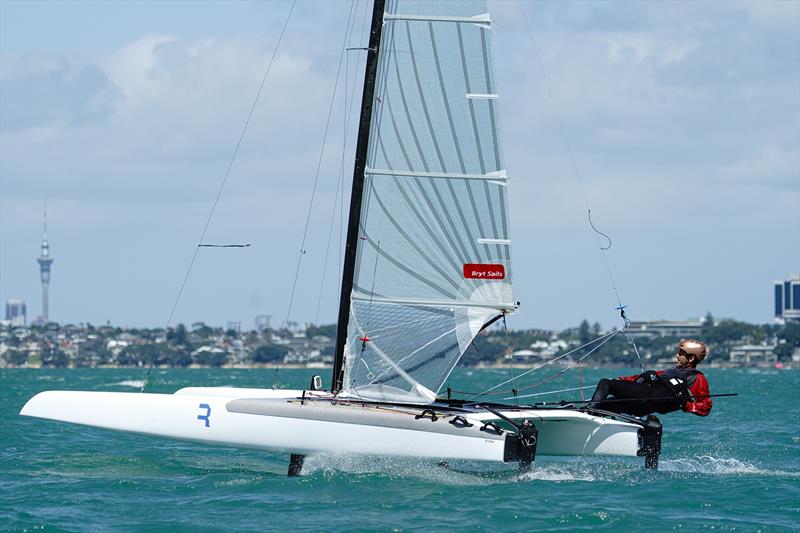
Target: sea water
[(736, 470)]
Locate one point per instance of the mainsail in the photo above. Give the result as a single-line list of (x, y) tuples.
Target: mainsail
[(432, 260)]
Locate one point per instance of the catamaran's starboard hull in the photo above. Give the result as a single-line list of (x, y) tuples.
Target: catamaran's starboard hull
[(280, 421)]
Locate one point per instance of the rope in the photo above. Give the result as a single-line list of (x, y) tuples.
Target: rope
[(222, 186), (577, 174), (626, 321), (591, 223)]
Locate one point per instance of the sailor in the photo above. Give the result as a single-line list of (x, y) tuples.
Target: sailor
[(663, 391)]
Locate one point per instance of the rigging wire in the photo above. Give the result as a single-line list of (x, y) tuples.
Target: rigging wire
[(365, 26), (577, 174), (221, 187), (364, 34), (511, 354), (319, 167), (340, 181), (487, 392), (551, 392), (328, 248), (302, 251), (568, 367)]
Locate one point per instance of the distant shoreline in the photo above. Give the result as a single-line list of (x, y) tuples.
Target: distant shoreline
[(282, 366), (732, 345)]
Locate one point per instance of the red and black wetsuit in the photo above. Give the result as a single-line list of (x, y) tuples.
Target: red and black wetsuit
[(663, 391)]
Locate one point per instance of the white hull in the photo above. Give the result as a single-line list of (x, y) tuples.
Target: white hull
[(277, 420)]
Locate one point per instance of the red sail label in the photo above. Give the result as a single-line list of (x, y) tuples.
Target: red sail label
[(479, 271)]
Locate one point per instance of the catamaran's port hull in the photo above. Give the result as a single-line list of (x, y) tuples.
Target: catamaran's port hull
[(280, 421)]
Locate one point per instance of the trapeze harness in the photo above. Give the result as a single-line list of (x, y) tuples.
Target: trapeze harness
[(662, 391)]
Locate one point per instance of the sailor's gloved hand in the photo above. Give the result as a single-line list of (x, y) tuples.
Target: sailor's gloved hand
[(649, 376)]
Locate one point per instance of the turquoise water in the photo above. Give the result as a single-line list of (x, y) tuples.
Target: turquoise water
[(736, 470)]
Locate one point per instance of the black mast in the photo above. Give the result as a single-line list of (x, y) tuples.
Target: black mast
[(351, 245)]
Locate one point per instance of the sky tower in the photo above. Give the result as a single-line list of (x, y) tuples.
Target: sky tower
[(44, 270)]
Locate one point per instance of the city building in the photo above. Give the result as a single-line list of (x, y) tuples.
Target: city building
[(45, 261), (753, 355), (263, 322), (666, 328), (787, 300), (16, 313)]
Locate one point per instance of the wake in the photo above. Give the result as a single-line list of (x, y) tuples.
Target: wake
[(707, 464), (571, 470)]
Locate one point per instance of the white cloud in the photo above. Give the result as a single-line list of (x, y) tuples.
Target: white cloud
[(61, 94), (661, 104), (772, 12), (639, 46), (132, 70), (768, 166)]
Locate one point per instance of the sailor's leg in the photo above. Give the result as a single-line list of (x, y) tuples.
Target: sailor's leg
[(620, 390), (602, 390)]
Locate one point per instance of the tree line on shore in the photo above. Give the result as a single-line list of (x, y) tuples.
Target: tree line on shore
[(54, 345)]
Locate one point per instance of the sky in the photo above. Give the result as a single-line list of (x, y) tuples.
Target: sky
[(683, 119)]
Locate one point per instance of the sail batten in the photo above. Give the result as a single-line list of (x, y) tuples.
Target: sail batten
[(495, 176), (481, 20), (366, 296), (433, 260)]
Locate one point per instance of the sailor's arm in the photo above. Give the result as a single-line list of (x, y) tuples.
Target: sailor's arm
[(699, 390), (645, 376)]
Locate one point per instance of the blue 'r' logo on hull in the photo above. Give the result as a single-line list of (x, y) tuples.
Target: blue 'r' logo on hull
[(206, 416)]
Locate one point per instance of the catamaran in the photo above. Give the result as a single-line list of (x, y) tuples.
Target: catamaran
[(427, 267)]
